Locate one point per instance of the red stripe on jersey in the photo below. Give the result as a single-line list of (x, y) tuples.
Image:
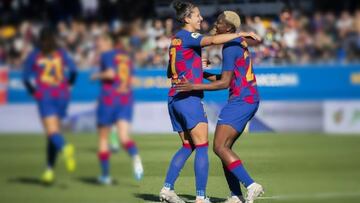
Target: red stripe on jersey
[(249, 99), (197, 62), (240, 62), (188, 54), (107, 100), (180, 66)]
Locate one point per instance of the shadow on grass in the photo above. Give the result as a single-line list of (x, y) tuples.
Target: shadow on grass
[(94, 181), (28, 181), (90, 180), (147, 197), (192, 198), (186, 198)]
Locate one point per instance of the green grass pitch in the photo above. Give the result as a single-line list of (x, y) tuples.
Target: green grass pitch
[(292, 168)]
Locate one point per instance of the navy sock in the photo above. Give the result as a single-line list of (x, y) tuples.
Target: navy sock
[(239, 171), (131, 148), (233, 182), (57, 140), (201, 167), (51, 154), (104, 163), (177, 163)]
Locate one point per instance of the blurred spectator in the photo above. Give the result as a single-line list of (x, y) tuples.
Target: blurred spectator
[(291, 37)]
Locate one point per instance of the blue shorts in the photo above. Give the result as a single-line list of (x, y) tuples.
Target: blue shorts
[(186, 113), (52, 107), (107, 115), (237, 114)]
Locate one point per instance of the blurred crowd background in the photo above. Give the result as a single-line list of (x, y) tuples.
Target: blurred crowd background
[(291, 35)]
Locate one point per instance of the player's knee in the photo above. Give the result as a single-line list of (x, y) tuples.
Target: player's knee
[(217, 149)]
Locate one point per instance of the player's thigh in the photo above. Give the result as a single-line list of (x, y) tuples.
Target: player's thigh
[(123, 129), (199, 134), (225, 136), (51, 124), (185, 138)]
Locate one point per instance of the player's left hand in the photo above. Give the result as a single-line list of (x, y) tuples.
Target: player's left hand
[(184, 86), (252, 35)]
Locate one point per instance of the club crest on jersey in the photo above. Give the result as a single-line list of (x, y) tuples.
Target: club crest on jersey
[(195, 35), (176, 42)]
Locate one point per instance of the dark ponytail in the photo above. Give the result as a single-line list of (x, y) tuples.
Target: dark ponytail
[(47, 41), (183, 10)]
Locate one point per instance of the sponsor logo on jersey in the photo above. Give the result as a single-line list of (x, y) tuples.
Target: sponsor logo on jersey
[(195, 35)]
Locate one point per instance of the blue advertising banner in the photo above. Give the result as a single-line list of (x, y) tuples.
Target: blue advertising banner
[(290, 83)]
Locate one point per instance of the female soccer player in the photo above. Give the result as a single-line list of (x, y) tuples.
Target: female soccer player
[(48, 65), (115, 104), (242, 105), (185, 108)]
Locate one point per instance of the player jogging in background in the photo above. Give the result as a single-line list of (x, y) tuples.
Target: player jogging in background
[(54, 72), (115, 105), (186, 109), (238, 76)]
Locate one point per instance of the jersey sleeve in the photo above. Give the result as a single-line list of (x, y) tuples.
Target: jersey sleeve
[(106, 61), (229, 53), (192, 40), (69, 62), (28, 66)]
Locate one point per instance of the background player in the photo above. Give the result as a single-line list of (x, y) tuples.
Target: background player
[(186, 110), (47, 64), (115, 104), (242, 105)]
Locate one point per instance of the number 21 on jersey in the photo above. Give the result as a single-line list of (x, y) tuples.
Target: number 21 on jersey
[(52, 73)]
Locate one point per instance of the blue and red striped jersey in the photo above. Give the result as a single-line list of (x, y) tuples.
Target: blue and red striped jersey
[(119, 89), (185, 60), (236, 58), (50, 73)]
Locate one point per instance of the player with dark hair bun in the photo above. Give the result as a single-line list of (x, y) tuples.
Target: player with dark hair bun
[(237, 75), (186, 110)]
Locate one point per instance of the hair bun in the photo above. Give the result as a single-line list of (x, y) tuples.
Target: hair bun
[(178, 5)]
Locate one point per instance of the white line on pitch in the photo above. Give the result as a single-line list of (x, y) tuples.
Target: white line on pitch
[(313, 196), (305, 196)]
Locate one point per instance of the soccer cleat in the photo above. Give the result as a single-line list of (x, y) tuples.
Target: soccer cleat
[(206, 200), (169, 196), (138, 167), (48, 176), (255, 190), (235, 199), (104, 180), (69, 151)]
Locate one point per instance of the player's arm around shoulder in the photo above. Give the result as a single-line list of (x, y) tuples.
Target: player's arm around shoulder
[(251, 38), (218, 39)]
